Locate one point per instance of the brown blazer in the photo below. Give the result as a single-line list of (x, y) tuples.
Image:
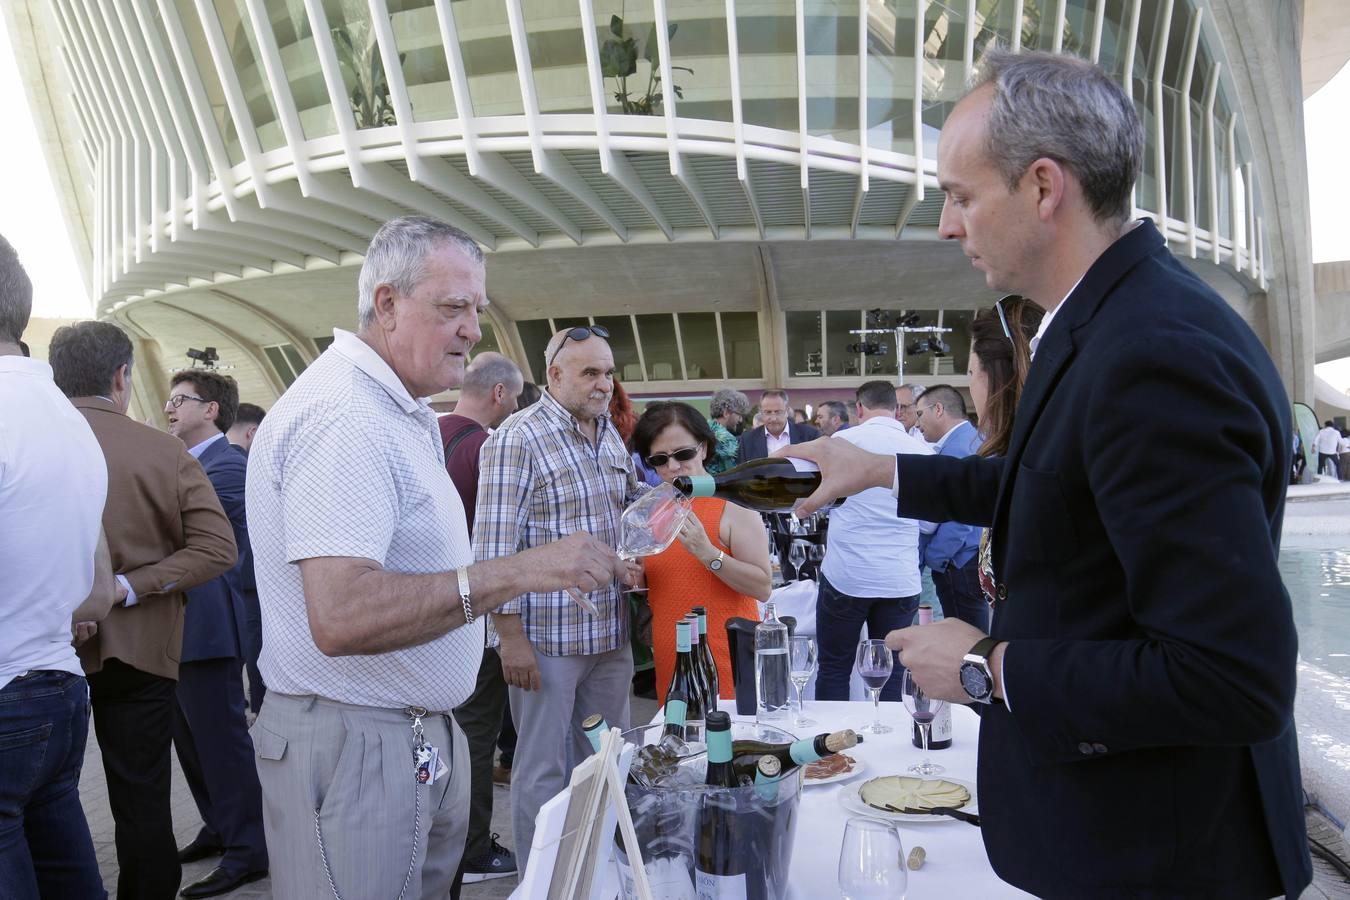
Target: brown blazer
[(167, 533)]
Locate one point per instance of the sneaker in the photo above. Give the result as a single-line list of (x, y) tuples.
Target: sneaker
[(501, 775), (498, 862)]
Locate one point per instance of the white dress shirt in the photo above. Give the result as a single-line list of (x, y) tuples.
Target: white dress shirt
[(1328, 440), (776, 443)]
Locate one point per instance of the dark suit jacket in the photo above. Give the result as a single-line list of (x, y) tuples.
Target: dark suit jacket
[(1150, 747), (217, 615), (755, 445), (166, 532)]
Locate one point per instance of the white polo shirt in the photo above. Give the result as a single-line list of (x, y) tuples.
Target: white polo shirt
[(53, 484), (348, 463)]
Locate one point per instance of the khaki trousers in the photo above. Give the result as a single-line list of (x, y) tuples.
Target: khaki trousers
[(344, 815)]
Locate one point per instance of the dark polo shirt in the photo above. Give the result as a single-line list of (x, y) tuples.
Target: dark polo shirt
[(462, 462)]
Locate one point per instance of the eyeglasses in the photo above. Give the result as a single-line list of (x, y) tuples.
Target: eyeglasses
[(580, 333), (177, 400), (657, 460), (1003, 319)]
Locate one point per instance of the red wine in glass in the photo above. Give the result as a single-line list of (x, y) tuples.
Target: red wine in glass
[(875, 664)]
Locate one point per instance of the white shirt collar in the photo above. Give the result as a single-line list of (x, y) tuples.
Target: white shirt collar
[(364, 357), (198, 450), (1050, 316), (882, 422)]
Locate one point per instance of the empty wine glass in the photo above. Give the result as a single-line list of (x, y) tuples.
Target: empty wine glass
[(802, 650), (797, 558), (648, 526), (875, 663), (872, 861), (923, 708)]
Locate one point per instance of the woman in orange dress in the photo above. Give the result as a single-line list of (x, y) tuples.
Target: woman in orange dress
[(721, 560)]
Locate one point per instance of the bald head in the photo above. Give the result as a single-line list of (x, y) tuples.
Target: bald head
[(580, 373), (491, 384)]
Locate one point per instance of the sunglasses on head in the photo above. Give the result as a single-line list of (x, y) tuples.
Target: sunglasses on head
[(580, 333), (657, 460), (1002, 318)]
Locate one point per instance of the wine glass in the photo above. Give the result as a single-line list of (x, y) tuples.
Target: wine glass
[(802, 652), (924, 709), (649, 525), (797, 558), (875, 663), (872, 861)]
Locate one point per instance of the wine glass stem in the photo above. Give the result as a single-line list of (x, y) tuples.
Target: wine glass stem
[(924, 731), (876, 708)]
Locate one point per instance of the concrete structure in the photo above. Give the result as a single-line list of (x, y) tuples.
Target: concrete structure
[(729, 209)]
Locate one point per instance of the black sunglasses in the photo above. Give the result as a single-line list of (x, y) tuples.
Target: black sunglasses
[(580, 333), (657, 460)]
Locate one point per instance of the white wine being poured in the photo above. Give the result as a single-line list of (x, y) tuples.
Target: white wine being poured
[(772, 484)]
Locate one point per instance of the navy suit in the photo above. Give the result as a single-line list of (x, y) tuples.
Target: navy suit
[(210, 732), (755, 444), (1149, 749), (952, 552)]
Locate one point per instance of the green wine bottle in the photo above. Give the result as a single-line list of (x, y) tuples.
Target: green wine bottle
[(709, 663), (745, 755), (684, 679), (773, 484)]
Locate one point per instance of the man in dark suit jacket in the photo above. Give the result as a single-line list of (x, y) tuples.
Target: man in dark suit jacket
[(777, 431), (210, 732), (1137, 734), (167, 533)]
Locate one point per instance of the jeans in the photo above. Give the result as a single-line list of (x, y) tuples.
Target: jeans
[(45, 848), (839, 622), (958, 589)]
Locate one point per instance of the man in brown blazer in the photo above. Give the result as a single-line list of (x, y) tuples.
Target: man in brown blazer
[(167, 533)]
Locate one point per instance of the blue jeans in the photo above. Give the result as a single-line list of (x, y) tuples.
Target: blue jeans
[(839, 622), (45, 848), (960, 594)]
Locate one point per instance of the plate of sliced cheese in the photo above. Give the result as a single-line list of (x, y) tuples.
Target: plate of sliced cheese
[(872, 797)]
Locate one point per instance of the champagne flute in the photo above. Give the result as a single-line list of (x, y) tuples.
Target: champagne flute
[(875, 664), (924, 709), (802, 650), (872, 861)]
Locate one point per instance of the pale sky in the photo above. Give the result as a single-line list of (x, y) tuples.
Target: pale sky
[(30, 218)]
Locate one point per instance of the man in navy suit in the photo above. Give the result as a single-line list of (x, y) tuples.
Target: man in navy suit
[(210, 732), (777, 431), (1137, 689), (952, 553)]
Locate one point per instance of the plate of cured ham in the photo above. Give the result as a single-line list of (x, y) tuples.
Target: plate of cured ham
[(829, 769)]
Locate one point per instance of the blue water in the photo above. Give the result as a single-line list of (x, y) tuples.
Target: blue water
[(1318, 581)]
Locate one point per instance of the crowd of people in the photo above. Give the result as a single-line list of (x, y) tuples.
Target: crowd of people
[(406, 585)]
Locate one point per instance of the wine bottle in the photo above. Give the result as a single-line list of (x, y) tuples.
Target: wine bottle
[(745, 755), (706, 699), (721, 773), (709, 663), (676, 708), (771, 668), (685, 678), (940, 731), (595, 727), (768, 771), (773, 484)]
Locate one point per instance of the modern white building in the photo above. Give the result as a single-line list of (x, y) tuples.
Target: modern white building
[(730, 208)]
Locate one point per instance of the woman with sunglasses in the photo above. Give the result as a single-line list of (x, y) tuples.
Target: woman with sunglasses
[(721, 560), (1000, 355)]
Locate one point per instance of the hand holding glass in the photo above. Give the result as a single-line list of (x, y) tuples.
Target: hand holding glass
[(875, 663), (648, 526), (872, 861), (802, 651), (924, 709)]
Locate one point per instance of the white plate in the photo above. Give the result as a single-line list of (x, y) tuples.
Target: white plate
[(850, 798), (858, 766)]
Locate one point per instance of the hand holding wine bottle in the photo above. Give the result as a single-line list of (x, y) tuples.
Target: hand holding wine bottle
[(845, 470)]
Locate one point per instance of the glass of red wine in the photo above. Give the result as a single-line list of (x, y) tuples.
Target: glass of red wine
[(875, 663), (924, 709)]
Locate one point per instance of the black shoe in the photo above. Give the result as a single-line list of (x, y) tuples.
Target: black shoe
[(644, 684), (498, 862), (199, 849), (218, 881)]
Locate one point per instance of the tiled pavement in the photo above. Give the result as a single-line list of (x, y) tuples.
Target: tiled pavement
[(94, 795)]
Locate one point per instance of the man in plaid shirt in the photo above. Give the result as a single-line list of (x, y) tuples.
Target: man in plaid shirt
[(551, 469)]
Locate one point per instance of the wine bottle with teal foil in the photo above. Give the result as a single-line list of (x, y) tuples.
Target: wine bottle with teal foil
[(677, 707), (706, 699), (684, 679), (595, 727), (721, 773), (745, 755), (709, 663), (772, 484), (722, 858), (768, 772)]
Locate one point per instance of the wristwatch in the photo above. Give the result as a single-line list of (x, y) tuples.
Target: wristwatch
[(715, 564), (976, 677)]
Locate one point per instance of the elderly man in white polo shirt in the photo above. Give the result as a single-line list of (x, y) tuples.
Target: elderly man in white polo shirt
[(371, 601)]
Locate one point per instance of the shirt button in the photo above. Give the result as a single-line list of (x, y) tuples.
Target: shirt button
[(1098, 748), (1085, 748)]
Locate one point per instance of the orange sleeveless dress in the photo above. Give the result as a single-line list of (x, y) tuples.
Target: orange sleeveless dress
[(676, 581)]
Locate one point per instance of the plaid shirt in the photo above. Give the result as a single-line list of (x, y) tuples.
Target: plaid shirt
[(540, 479)]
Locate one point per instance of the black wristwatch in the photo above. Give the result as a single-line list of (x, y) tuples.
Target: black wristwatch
[(976, 677)]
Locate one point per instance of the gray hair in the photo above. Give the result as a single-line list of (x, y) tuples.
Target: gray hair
[(1064, 108), (783, 395), (838, 409), (487, 370), (726, 400), (397, 257), (16, 295), (85, 356), (915, 390)]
